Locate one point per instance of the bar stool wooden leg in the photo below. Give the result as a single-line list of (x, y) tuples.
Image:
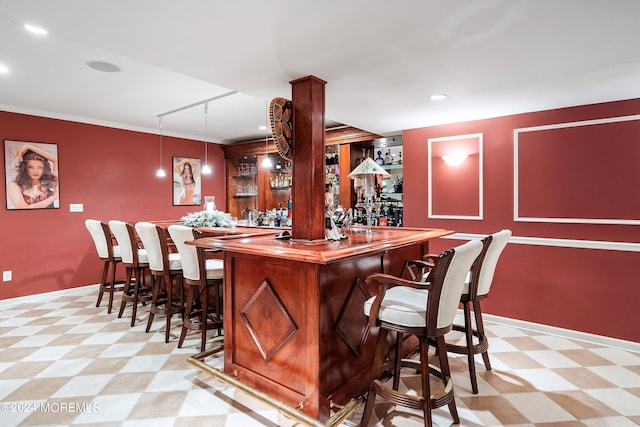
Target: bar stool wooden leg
[(112, 285), (171, 304), (204, 301), (470, 353), (188, 306), (397, 361), (477, 312), (108, 286), (103, 284), (426, 384), (126, 291), (376, 372), (156, 282), (446, 375), (219, 306), (134, 300)]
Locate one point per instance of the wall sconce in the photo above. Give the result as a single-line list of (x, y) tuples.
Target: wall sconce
[(367, 172), (206, 170), (454, 159), (160, 173)]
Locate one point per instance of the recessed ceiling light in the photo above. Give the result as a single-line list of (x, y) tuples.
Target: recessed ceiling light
[(35, 29), (438, 96), (262, 127), (3, 69), (106, 67)]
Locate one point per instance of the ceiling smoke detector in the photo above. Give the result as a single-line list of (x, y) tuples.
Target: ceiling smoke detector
[(105, 67)]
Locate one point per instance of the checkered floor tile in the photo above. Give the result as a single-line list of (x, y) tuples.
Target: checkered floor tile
[(66, 362)]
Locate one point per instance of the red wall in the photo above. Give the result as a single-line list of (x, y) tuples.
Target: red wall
[(590, 290), (112, 173)]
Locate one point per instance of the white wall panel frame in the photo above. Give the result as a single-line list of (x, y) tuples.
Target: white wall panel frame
[(430, 142), (516, 215)]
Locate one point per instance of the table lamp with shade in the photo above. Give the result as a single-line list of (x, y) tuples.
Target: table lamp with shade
[(367, 172)]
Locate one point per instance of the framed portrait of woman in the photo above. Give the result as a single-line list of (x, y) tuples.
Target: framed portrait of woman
[(31, 175), (186, 181)]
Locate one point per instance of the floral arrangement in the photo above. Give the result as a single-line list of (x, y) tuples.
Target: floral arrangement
[(207, 219)]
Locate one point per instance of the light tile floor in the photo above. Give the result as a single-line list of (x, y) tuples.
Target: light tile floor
[(66, 362)]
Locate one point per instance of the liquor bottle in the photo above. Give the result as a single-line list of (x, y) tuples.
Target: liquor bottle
[(379, 160), (388, 159)]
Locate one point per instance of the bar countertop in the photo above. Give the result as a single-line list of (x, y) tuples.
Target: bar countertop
[(264, 242)]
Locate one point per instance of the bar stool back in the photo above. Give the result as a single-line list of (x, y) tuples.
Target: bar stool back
[(423, 309), (166, 270), (476, 289), (201, 276), (110, 255), (136, 263)]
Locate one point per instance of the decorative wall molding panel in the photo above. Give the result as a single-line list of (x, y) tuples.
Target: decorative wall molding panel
[(455, 177), (579, 172)]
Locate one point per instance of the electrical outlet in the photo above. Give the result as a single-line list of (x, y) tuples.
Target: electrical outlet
[(6, 276)]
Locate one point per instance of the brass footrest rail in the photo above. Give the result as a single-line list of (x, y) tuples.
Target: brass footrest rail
[(288, 411)]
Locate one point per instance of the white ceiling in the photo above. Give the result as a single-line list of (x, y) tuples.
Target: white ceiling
[(381, 60)]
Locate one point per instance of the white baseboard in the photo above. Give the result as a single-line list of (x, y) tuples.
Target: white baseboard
[(45, 296), (560, 332), (521, 324)]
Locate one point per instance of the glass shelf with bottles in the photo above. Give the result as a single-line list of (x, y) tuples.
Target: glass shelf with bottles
[(392, 167), (332, 168), (389, 159), (391, 190), (383, 214), (393, 185), (280, 182), (280, 175), (248, 190), (246, 169), (281, 165)]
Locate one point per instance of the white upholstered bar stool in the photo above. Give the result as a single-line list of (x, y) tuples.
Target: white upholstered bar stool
[(136, 263), (476, 288), (423, 309), (110, 256), (201, 276), (166, 271)]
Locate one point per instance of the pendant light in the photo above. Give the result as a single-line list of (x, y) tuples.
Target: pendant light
[(160, 173), (266, 163), (205, 168)]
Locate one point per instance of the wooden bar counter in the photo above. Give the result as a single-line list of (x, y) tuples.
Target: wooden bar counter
[(293, 310)]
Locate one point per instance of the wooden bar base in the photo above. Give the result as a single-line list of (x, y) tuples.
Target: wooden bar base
[(293, 312)]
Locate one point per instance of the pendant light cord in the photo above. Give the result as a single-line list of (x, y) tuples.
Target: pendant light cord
[(160, 173), (206, 124), (266, 163), (161, 135), (206, 170)]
